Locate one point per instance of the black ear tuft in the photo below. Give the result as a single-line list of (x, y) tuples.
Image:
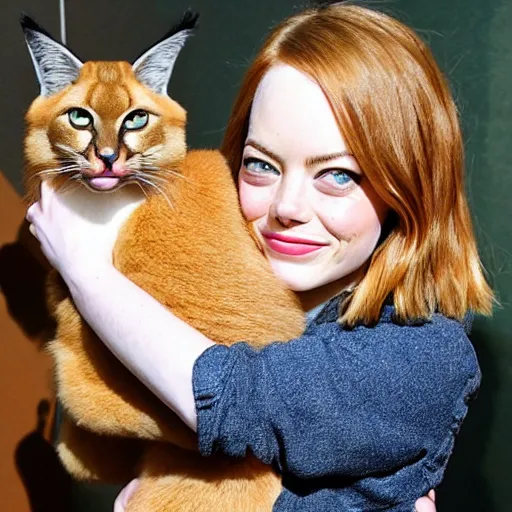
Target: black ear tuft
[(28, 23), (188, 22), (153, 68)]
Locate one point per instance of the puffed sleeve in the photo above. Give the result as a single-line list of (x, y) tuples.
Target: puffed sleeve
[(336, 402)]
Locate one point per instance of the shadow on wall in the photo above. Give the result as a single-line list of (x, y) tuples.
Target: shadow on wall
[(22, 282), (48, 485)]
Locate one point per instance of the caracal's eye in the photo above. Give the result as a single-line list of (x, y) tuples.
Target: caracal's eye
[(136, 120), (80, 118)]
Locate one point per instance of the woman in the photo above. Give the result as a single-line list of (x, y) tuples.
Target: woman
[(349, 162)]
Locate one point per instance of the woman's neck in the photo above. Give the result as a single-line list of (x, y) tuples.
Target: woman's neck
[(309, 299)]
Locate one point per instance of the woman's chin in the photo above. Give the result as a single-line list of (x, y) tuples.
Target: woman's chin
[(308, 285), (295, 283)]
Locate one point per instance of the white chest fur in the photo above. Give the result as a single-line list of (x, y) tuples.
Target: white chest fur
[(108, 209)]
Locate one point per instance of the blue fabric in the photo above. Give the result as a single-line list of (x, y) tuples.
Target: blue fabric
[(354, 420)]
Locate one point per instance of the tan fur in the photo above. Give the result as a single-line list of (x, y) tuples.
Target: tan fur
[(188, 246)]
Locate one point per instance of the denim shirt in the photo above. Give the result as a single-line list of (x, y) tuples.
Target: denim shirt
[(354, 420)]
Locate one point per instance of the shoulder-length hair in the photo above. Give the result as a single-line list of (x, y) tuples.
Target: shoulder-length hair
[(396, 113)]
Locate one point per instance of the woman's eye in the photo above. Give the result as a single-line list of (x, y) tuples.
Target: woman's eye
[(258, 166), (339, 177), (80, 118), (136, 120)]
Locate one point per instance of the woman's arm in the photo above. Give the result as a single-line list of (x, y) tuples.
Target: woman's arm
[(155, 345), (335, 402)]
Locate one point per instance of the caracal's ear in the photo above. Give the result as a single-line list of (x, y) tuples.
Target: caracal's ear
[(154, 67), (56, 67)]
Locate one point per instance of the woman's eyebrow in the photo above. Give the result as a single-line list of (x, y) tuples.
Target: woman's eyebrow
[(326, 158), (314, 160), (263, 149)]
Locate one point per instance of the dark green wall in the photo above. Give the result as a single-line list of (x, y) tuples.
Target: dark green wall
[(472, 40)]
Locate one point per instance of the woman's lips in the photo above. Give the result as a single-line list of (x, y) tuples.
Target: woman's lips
[(291, 245)]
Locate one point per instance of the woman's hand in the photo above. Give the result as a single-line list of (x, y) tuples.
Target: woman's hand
[(70, 240), (125, 494), (425, 504)]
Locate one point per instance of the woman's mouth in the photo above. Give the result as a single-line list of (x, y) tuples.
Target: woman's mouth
[(291, 245)]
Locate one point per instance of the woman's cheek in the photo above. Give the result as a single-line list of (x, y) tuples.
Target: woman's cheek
[(352, 218), (254, 201)]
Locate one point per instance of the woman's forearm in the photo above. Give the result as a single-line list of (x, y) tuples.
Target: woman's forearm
[(155, 345)]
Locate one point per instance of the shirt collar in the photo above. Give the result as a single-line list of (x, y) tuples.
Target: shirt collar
[(330, 310)]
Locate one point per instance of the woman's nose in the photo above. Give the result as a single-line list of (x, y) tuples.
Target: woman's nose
[(290, 205)]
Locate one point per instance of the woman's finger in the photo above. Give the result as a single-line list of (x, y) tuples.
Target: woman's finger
[(46, 195), (32, 212), (425, 505), (432, 495), (124, 496), (32, 229)]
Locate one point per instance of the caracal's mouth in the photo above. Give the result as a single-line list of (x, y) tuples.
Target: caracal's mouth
[(102, 183), (107, 181)]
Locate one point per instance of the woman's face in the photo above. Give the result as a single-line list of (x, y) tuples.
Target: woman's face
[(316, 215)]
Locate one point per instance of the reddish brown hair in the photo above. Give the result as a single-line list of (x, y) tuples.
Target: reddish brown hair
[(397, 115)]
